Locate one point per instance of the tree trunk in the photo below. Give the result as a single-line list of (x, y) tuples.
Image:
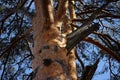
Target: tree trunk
[(49, 50)]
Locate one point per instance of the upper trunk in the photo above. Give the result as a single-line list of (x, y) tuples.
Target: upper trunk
[(49, 47)]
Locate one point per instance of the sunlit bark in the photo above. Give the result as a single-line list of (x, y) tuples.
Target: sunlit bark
[(49, 56), (72, 58)]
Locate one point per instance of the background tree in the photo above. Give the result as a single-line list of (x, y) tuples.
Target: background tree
[(45, 39)]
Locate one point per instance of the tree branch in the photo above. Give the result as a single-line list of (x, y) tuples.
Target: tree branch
[(63, 6), (13, 44), (89, 71), (12, 11), (101, 16), (108, 39), (73, 38), (79, 35), (95, 42), (82, 64)]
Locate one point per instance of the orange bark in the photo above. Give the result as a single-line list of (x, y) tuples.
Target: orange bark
[(49, 57), (72, 57)]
